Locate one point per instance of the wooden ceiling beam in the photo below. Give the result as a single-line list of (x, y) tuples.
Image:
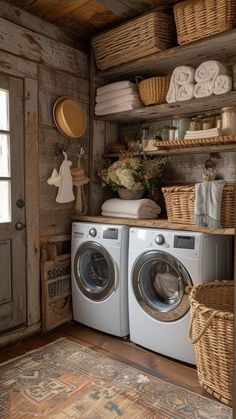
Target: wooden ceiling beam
[(63, 8)]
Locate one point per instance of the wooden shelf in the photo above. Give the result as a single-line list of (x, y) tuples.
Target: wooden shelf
[(157, 223), (221, 148), (169, 110), (217, 47)]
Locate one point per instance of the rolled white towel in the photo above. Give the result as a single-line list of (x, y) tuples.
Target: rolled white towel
[(208, 70), (137, 207), (124, 215), (222, 84), (182, 75), (203, 89), (117, 101), (117, 93), (185, 92), (114, 86), (129, 106)]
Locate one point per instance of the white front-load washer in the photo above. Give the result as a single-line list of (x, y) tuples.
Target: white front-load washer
[(161, 264), (99, 258)]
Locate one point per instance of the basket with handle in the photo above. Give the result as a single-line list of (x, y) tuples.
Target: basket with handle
[(153, 91), (196, 19), (211, 333)]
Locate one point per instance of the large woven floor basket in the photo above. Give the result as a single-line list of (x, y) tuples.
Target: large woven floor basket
[(146, 34), (211, 332), (196, 19), (179, 202)]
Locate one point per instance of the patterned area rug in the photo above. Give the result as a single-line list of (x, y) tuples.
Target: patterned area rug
[(64, 380)]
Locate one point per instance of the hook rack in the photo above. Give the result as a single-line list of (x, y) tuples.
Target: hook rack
[(60, 148)]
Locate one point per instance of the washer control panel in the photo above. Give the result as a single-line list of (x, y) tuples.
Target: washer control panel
[(159, 239)]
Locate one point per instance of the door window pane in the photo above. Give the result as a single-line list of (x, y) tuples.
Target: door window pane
[(4, 110), (5, 201), (4, 156)]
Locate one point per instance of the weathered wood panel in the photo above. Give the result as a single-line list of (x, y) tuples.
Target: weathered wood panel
[(37, 48), (5, 271), (16, 66)]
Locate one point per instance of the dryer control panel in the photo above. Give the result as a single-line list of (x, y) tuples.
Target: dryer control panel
[(184, 242)]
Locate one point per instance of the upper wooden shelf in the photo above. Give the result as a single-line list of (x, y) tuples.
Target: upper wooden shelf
[(157, 223), (169, 110), (220, 47)]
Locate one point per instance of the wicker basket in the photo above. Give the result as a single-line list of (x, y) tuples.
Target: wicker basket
[(180, 205), (211, 332), (153, 91), (141, 36), (196, 19)]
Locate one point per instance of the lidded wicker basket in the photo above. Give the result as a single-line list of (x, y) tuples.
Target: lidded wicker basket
[(143, 35), (211, 332), (179, 202), (196, 19), (153, 91)]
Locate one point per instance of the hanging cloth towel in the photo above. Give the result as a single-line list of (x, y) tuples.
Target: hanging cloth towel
[(207, 206), (65, 191)]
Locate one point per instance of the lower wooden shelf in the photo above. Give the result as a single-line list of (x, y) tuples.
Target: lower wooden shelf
[(157, 223)]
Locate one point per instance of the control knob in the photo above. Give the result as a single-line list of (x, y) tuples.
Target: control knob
[(93, 232), (159, 239)]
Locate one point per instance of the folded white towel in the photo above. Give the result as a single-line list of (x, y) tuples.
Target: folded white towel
[(214, 132), (207, 206), (117, 101), (203, 89), (123, 215), (209, 70), (137, 207), (222, 84), (181, 76), (117, 93), (185, 92), (114, 86), (129, 106)]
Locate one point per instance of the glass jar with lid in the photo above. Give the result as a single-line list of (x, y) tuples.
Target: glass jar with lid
[(229, 120), (196, 124), (207, 123)]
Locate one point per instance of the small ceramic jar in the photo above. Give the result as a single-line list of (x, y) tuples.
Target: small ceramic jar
[(229, 120)]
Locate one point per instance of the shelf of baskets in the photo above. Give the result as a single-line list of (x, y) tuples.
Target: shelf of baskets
[(158, 223), (169, 110), (220, 47)]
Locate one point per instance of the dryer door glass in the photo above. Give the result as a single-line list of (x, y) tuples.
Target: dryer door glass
[(94, 271), (159, 282)]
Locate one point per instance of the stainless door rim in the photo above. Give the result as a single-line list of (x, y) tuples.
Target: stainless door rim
[(159, 310), (89, 292)]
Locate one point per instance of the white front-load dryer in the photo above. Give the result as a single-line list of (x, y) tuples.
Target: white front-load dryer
[(161, 264), (100, 276)]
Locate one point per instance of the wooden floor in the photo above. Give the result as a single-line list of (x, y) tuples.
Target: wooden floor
[(120, 349)]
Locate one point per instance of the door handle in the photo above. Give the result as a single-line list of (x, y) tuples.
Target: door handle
[(19, 226)]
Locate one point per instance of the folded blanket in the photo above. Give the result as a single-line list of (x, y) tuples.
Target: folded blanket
[(207, 206), (185, 92), (114, 86), (117, 93), (117, 101), (137, 207), (181, 76), (123, 215), (209, 70), (222, 84), (129, 106)]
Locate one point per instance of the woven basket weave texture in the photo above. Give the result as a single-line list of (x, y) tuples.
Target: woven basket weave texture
[(211, 332), (196, 19), (179, 202), (153, 91), (141, 36)]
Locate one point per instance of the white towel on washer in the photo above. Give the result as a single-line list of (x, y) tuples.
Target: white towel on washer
[(131, 208)]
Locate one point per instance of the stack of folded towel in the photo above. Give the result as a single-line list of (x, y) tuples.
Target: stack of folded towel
[(127, 208), (181, 84), (212, 78), (117, 97), (204, 133), (207, 206)]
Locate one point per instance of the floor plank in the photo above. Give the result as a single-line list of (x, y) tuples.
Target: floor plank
[(116, 348)]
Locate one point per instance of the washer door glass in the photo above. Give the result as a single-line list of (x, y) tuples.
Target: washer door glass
[(94, 271), (159, 282)]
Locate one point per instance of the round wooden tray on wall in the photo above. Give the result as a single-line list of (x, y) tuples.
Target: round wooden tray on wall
[(69, 117)]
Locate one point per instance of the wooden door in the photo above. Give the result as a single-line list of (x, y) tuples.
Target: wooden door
[(12, 206)]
